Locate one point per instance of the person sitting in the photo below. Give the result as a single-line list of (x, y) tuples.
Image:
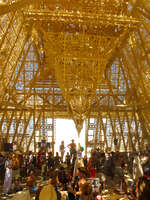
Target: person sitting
[(102, 179), (18, 186), (62, 177), (82, 175), (123, 187), (132, 191), (31, 181), (79, 180), (86, 191), (99, 197), (51, 191)]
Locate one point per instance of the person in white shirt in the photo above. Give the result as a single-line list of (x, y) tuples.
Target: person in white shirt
[(137, 168), (8, 176)]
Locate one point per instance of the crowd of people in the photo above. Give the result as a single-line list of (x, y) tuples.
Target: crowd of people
[(66, 174)]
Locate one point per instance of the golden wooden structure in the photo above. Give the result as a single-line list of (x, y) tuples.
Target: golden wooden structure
[(86, 60)]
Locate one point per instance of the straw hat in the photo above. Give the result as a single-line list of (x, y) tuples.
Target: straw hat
[(48, 193), (3, 153), (18, 152)]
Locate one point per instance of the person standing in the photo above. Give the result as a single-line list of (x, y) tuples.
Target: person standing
[(137, 168), (2, 168), (85, 161), (8, 176), (62, 150), (39, 159), (57, 160), (68, 159), (50, 161), (72, 148), (15, 166)]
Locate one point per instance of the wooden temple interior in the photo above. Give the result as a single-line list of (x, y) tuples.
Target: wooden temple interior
[(85, 60)]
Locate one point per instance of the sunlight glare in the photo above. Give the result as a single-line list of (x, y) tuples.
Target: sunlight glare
[(66, 131)]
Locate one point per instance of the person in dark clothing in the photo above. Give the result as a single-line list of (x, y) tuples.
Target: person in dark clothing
[(146, 168), (85, 161), (34, 161), (62, 176), (57, 160), (17, 186), (109, 167), (2, 169), (50, 161), (86, 191), (74, 159), (68, 159)]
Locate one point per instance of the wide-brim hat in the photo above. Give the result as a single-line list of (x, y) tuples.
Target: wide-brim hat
[(3, 153), (18, 152), (48, 193)]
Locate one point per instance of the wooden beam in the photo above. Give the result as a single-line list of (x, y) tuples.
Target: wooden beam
[(136, 130), (113, 128), (104, 129), (121, 129), (17, 125), (16, 5), (8, 126), (129, 133), (12, 47), (26, 123), (1, 123), (22, 64), (33, 133), (7, 30)]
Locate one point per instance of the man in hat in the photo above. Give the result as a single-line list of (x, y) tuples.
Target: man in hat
[(72, 148)]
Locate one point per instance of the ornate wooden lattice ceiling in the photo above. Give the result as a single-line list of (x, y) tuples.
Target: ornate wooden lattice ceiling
[(55, 53)]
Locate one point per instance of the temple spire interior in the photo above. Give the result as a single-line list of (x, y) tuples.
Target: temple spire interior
[(88, 61)]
